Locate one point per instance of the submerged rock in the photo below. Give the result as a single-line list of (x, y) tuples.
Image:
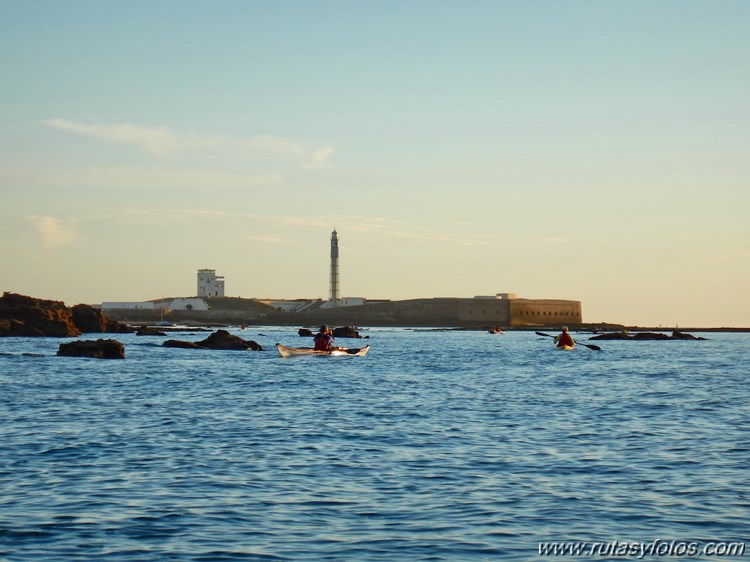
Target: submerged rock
[(147, 331), (99, 349)]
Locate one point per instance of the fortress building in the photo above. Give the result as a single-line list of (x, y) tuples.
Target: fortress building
[(504, 309), (209, 285), (500, 309)]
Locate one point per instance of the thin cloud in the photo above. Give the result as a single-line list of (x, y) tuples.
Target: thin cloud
[(383, 228), (379, 227), (165, 143), (320, 158), (142, 178), (158, 141), (51, 232)]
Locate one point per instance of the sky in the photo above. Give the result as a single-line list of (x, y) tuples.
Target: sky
[(587, 150)]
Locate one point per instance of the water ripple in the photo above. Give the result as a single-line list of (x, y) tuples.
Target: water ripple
[(473, 448)]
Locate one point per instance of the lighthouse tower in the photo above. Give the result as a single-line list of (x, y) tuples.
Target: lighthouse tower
[(334, 293)]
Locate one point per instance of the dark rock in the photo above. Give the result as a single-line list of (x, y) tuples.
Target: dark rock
[(345, 332), (221, 339), (683, 336), (92, 320), (182, 344), (99, 349), (613, 336), (650, 336), (10, 327), (645, 336), (147, 331), (26, 316)]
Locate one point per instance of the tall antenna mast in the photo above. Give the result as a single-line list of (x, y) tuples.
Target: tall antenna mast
[(334, 294)]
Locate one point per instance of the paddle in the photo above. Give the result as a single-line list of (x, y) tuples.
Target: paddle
[(590, 346)]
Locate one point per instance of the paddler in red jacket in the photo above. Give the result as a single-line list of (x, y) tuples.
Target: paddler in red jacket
[(323, 339), (564, 339)]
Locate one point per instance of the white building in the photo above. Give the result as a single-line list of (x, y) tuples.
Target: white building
[(344, 301), (191, 303), (209, 285)]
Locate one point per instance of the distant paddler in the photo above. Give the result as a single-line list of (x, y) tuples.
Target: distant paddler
[(564, 340), (324, 339)]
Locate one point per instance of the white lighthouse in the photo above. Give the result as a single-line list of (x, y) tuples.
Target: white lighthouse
[(334, 292)]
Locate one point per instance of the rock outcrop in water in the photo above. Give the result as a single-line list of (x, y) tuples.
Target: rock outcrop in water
[(149, 331), (99, 349), (92, 320), (646, 336), (25, 316), (343, 332), (221, 339)]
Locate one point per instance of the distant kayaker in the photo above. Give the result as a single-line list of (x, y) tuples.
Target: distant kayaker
[(323, 339), (564, 339)]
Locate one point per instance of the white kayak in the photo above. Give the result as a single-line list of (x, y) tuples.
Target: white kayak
[(285, 351)]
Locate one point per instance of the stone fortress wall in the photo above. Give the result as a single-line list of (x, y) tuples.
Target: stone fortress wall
[(212, 306), (449, 312)]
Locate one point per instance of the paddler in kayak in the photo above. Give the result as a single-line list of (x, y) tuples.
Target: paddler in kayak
[(564, 339), (323, 339)]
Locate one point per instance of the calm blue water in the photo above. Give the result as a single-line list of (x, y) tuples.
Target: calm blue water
[(436, 446)]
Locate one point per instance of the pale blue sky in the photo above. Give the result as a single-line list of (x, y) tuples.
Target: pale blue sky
[(591, 150)]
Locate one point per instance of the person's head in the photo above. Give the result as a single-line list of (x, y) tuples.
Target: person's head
[(564, 328), (323, 329)]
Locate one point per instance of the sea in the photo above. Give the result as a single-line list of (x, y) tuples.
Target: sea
[(439, 445)]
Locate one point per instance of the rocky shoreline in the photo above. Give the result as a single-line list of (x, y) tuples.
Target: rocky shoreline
[(24, 316)]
